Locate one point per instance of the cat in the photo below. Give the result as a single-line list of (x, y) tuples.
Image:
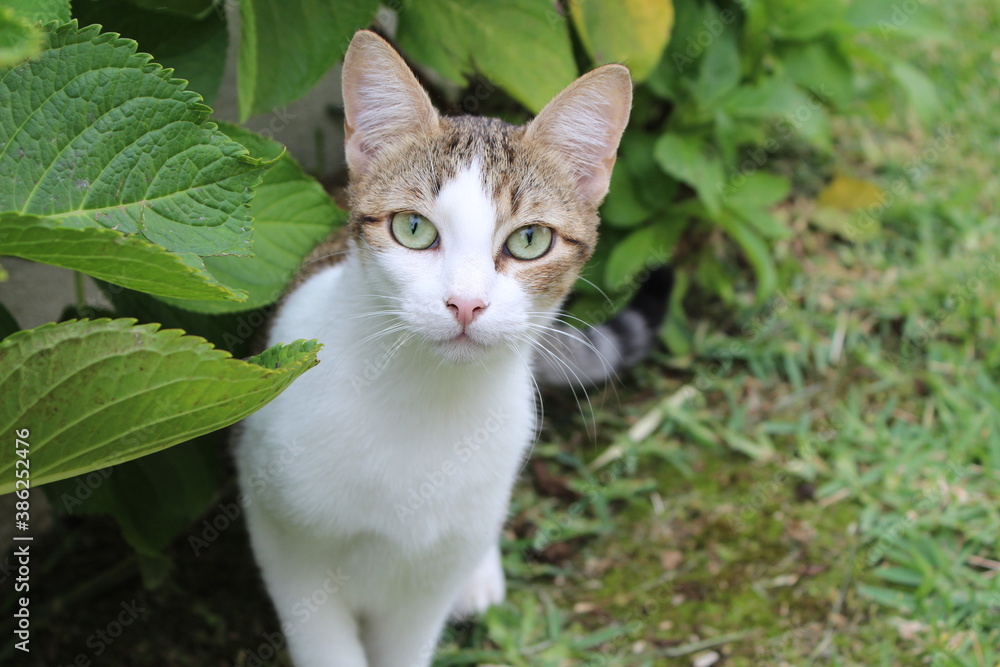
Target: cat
[(390, 465)]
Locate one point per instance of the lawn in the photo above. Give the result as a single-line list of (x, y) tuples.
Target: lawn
[(817, 481)]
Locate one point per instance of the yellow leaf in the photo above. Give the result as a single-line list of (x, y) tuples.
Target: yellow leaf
[(631, 32), (850, 194)]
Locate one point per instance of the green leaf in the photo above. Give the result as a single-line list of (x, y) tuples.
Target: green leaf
[(236, 333), (655, 190), (19, 39), (632, 32), (771, 97), (645, 248), (40, 11), (292, 213), (187, 8), (287, 45), (793, 19), (623, 206), (781, 99), (919, 89), (97, 393), (95, 135), (126, 260), (821, 67), (759, 189), (756, 251), (688, 158), (153, 498), (891, 18), (194, 48), (762, 221), (683, 52), (520, 45), (720, 68)]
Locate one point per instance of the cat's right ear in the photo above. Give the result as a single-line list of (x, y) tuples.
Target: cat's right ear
[(382, 100)]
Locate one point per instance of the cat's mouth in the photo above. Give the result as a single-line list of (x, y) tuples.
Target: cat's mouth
[(462, 348)]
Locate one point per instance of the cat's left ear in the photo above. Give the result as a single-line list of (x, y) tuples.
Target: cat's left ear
[(584, 123), (383, 101)]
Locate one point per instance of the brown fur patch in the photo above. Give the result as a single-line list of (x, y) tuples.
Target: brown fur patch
[(329, 252), (528, 182)]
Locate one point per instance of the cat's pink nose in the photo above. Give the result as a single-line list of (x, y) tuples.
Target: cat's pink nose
[(466, 310)]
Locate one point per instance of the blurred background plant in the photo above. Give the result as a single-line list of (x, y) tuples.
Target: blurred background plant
[(794, 161)]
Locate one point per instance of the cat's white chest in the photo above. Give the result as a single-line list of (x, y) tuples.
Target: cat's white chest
[(400, 448)]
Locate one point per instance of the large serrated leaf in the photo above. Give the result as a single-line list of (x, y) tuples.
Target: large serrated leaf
[(122, 259), (152, 498), (195, 48), (97, 393), (633, 32), (95, 135), (292, 213), (287, 45), (521, 45)]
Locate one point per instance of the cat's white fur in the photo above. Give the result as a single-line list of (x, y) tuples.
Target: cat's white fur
[(408, 436), (403, 483)]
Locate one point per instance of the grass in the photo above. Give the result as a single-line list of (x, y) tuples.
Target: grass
[(827, 494), (817, 488)]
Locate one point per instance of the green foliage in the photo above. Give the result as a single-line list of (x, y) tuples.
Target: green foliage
[(633, 32), (115, 170), (122, 259), (524, 47), (145, 390), (291, 215), (40, 11), (18, 38), (287, 45), (195, 48), (116, 143)]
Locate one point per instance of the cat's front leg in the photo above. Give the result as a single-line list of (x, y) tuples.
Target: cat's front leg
[(317, 622), (484, 588), (406, 633)]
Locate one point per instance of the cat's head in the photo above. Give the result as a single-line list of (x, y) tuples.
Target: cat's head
[(472, 229)]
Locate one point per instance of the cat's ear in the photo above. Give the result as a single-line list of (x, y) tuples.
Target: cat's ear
[(382, 100), (584, 124)]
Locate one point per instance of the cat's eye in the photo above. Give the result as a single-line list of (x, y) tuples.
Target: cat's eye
[(529, 242), (414, 231)]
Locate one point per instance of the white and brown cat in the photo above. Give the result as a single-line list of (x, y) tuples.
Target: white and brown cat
[(465, 237)]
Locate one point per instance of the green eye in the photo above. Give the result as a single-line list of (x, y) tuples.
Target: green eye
[(530, 242), (414, 231)]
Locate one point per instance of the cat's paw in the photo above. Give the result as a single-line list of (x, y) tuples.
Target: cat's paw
[(486, 587)]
